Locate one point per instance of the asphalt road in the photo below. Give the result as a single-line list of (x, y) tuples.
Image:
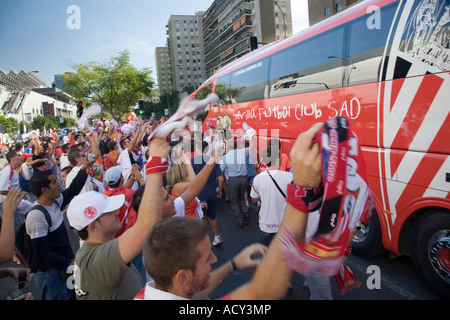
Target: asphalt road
[(397, 279)]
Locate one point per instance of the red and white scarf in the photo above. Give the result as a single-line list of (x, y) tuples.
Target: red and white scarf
[(346, 200), (182, 118)]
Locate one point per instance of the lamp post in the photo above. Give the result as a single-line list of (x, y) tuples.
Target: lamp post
[(24, 128)]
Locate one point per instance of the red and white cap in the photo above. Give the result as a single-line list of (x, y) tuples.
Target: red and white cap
[(88, 206)]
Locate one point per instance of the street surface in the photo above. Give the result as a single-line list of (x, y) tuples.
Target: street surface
[(397, 279)]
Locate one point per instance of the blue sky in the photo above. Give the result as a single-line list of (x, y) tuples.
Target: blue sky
[(34, 33)]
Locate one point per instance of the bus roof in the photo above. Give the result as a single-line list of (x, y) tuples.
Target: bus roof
[(365, 7)]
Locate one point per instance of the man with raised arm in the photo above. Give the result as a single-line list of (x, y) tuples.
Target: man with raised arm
[(103, 263), (184, 245)]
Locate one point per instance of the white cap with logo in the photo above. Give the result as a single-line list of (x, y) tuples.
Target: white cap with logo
[(88, 206)]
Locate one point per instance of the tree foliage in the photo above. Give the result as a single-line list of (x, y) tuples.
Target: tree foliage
[(68, 123), (116, 85), (10, 124), (49, 122)]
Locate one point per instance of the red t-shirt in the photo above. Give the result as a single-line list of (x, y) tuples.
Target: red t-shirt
[(127, 214), (190, 209)]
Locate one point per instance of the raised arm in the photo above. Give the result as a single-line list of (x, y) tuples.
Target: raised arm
[(7, 239), (37, 146), (150, 210), (196, 185), (93, 141), (137, 137), (272, 276)]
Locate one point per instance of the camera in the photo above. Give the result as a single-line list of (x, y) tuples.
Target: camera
[(91, 157)]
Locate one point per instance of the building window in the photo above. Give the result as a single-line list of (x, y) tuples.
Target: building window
[(327, 11), (338, 7)]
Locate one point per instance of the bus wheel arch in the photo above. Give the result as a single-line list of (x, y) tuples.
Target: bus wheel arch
[(367, 241), (430, 249)]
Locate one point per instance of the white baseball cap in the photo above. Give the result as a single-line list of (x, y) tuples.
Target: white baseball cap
[(88, 206)]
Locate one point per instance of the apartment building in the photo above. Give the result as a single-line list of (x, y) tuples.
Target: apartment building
[(185, 51), (229, 24), (198, 45), (163, 73), (319, 10)]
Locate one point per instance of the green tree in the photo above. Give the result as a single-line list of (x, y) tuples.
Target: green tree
[(116, 85), (38, 123), (50, 122), (68, 123), (189, 89), (10, 124)]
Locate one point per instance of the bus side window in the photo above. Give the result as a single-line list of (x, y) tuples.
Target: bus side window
[(223, 90), (204, 92), (249, 82), (202, 95), (366, 44), (314, 64)]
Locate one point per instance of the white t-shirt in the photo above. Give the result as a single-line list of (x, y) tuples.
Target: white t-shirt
[(273, 203), (8, 179), (26, 171), (179, 207), (36, 224), (73, 173), (125, 162), (64, 161), (149, 292)]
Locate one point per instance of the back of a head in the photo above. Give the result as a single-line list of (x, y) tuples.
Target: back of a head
[(112, 145), (123, 142), (271, 155), (137, 198), (170, 247), (73, 155), (65, 147), (205, 146), (11, 154), (175, 175)]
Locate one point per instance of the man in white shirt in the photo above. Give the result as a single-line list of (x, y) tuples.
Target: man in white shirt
[(64, 159), (270, 187), (8, 175), (9, 179), (127, 147), (76, 158), (26, 172)]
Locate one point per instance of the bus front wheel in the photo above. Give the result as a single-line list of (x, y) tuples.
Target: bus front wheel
[(367, 241), (431, 250)]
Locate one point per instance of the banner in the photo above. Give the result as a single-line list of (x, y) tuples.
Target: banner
[(48, 109)]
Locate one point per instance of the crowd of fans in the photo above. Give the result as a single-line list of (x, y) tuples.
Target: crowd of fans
[(115, 186)]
